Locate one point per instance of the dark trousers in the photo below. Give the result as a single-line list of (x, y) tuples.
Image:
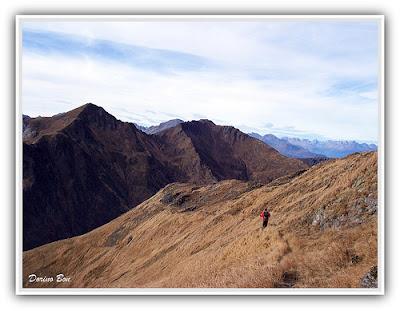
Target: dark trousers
[(265, 222)]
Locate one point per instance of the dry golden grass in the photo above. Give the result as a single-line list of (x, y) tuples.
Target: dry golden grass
[(187, 236)]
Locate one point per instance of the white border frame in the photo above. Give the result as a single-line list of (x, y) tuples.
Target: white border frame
[(196, 291)]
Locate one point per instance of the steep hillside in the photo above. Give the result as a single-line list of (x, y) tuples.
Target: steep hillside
[(83, 168), (322, 233)]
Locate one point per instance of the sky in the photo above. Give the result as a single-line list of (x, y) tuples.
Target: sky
[(297, 78)]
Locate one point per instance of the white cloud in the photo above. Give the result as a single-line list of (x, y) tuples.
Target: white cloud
[(263, 76), (273, 45)]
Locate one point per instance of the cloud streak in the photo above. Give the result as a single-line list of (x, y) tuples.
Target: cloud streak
[(303, 79), (53, 44)]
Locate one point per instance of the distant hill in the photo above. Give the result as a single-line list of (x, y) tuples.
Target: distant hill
[(140, 127), (83, 168), (163, 126), (322, 234), (159, 128)]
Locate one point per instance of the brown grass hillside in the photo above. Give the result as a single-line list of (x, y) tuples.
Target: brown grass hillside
[(322, 233)]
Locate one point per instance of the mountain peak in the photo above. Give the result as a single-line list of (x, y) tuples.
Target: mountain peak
[(206, 121), (86, 109), (89, 106), (35, 128), (229, 153), (199, 124)]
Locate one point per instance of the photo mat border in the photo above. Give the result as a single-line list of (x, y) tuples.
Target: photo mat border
[(20, 290)]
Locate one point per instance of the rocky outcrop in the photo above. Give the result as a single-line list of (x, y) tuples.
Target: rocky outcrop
[(370, 279), (356, 213)]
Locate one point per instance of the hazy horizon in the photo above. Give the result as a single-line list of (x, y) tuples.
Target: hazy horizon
[(305, 79)]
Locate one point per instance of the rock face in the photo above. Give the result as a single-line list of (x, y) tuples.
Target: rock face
[(189, 235), (83, 168), (370, 279)]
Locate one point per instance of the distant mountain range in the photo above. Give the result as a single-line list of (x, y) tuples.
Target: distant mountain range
[(286, 148), (84, 167), (331, 148), (313, 149)]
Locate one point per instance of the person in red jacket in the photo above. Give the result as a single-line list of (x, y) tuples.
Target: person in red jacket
[(265, 217)]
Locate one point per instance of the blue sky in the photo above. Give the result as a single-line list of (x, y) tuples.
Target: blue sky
[(313, 79)]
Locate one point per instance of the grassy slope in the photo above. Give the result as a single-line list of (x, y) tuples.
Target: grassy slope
[(187, 236)]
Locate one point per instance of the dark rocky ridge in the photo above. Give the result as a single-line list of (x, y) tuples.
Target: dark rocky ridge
[(83, 168), (227, 153)]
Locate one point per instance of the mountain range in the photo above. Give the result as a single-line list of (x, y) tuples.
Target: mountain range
[(331, 148), (112, 204), (83, 168), (314, 149), (286, 148), (311, 150)]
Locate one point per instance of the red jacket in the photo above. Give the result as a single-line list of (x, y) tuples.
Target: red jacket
[(262, 215)]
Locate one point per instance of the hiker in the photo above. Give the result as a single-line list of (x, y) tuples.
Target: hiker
[(265, 216)]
